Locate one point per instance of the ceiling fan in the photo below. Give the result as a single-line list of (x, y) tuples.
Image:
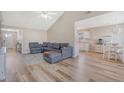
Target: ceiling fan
[(88, 12), (47, 14)]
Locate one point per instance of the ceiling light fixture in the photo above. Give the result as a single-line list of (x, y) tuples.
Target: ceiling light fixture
[(46, 14), (88, 12)]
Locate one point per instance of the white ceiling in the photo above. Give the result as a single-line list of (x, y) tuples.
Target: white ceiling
[(30, 19), (111, 18)]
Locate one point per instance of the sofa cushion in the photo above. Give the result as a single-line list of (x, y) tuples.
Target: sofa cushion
[(52, 57), (33, 44), (45, 44), (64, 45), (56, 50), (50, 45), (56, 45), (47, 49), (53, 54), (35, 50), (67, 52), (35, 47)]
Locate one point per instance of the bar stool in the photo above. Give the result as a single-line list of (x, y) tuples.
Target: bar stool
[(112, 51), (109, 52), (119, 51), (106, 50)]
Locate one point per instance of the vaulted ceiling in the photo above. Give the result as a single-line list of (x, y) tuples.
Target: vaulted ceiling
[(42, 20), (31, 19)]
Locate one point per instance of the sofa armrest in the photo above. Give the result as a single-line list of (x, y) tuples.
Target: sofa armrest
[(67, 52)]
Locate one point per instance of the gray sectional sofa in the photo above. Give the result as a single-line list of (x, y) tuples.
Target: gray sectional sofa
[(47, 46), (55, 51), (35, 47)]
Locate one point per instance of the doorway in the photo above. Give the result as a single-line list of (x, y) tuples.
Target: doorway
[(84, 40), (10, 39)]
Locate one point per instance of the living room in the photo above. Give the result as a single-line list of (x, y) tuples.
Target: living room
[(66, 46), (46, 46)]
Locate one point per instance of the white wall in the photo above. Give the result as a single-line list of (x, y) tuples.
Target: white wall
[(10, 39), (25, 35), (32, 36), (63, 29)]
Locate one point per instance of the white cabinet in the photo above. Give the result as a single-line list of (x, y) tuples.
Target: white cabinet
[(2, 63), (84, 41), (84, 46), (99, 48)]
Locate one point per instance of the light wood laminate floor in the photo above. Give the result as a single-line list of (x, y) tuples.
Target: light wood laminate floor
[(81, 69)]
